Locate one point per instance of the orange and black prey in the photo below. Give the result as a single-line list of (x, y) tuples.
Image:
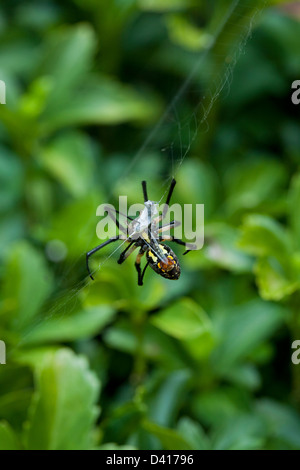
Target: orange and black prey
[(146, 233)]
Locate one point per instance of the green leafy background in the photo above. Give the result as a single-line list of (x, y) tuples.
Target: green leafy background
[(200, 363)]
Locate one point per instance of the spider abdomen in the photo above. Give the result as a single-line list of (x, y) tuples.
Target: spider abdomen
[(168, 268)]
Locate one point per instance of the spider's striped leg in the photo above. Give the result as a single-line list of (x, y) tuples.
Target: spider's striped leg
[(121, 213), (144, 270), (96, 249), (165, 228), (127, 252), (170, 238), (138, 267), (114, 218), (172, 224)]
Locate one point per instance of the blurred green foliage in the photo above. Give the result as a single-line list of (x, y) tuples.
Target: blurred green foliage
[(201, 363)]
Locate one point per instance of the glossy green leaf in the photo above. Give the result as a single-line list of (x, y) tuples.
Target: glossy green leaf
[(193, 433), (8, 439), (112, 446), (187, 34), (220, 249), (293, 201), (66, 59), (83, 324), (103, 102), (197, 184), (244, 328), (275, 281), (281, 421), (75, 225), (250, 183), (169, 398), (184, 320), (163, 5), (69, 159), (63, 410), (170, 439), (11, 176), (263, 236), (32, 283), (243, 432)]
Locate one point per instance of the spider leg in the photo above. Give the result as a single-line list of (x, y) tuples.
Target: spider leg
[(96, 249), (180, 242), (166, 206), (172, 186), (121, 213), (127, 252), (172, 224), (143, 273), (138, 267), (114, 218), (144, 186)]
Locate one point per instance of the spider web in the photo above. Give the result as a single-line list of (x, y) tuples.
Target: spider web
[(187, 125)]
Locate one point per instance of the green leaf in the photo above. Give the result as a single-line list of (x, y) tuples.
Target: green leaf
[(75, 225), (83, 324), (184, 320), (274, 279), (115, 283), (32, 282), (34, 357), (244, 375), (66, 59), (158, 347), (263, 236), (293, 204), (221, 250), (196, 184), (193, 433), (63, 410), (241, 432), (282, 422), (11, 176), (168, 399), (69, 159), (170, 439), (113, 446), (163, 5), (105, 102), (12, 229), (186, 34), (244, 327), (200, 347), (8, 439), (214, 407)]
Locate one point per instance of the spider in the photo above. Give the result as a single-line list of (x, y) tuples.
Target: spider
[(146, 233)]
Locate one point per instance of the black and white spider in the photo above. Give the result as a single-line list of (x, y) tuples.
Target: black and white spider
[(146, 233)]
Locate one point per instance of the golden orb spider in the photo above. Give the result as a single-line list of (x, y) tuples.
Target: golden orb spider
[(146, 234)]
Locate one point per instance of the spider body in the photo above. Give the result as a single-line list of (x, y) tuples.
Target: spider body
[(146, 233), (170, 269)]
